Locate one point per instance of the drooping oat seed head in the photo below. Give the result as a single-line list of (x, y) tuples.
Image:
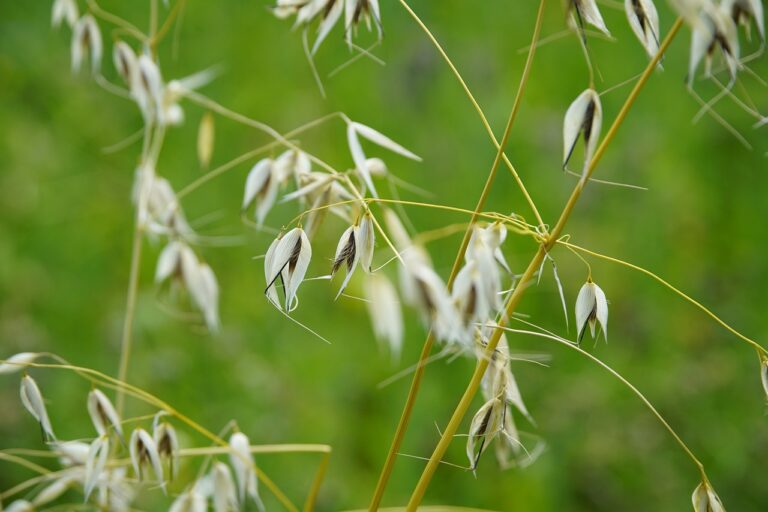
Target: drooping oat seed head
[(224, 490), (17, 362), (644, 20), (103, 413), (586, 12), (432, 299), (144, 452), (86, 40), (64, 10), (705, 499), (366, 239), (484, 427), (261, 188), (384, 310), (33, 401), (127, 65), (242, 462), (167, 443), (288, 264), (347, 255), (584, 117), (591, 309)]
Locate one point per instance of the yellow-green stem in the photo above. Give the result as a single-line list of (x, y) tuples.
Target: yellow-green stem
[(514, 299), (130, 309), (426, 350)]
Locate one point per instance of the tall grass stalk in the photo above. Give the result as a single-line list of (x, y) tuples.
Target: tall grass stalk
[(466, 399)]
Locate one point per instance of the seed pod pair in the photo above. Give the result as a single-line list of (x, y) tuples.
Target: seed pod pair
[(644, 20), (33, 401), (287, 260), (86, 39), (583, 117), (355, 245), (586, 11), (144, 452), (103, 413), (591, 309), (64, 10), (167, 443)]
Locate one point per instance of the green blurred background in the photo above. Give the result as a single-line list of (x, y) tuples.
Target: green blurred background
[(66, 222)]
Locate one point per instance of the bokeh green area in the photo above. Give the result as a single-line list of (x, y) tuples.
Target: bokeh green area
[(66, 224)]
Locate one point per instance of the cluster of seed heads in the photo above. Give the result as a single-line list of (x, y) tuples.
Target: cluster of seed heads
[(99, 471)]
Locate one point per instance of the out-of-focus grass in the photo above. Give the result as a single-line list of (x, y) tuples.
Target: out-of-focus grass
[(65, 223)]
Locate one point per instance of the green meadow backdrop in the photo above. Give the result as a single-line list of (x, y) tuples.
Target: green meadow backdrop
[(66, 223)]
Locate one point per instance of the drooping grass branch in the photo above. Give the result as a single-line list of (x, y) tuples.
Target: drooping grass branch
[(514, 299), (672, 288), (426, 350), (625, 382)]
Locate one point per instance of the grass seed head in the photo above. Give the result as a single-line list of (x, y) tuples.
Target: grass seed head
[(644, 21), (261, 188), (167, 443), (288, 263), (584, 117), (34, 403), (144, 451), (64, 10), (586, 11), (705, 499), (242, 462), (384, 310), (103, 413), (86, 39), (224, 490), (17, 362), (591, 309)]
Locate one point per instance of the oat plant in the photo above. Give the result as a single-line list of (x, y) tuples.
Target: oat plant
[(135, 462)]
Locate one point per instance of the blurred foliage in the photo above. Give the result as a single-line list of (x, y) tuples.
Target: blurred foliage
[(65, 231)]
